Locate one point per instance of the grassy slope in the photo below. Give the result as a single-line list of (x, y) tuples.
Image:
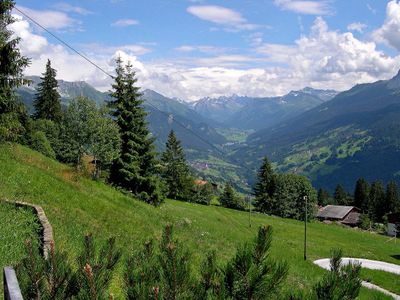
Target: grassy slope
[(17, 226), (76, 205)]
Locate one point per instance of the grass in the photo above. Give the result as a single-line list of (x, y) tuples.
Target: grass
[(17, 225), (388, 281), (75, 205)]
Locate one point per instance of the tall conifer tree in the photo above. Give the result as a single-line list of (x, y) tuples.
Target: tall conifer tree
[(47, 103), (175, 169), (265, 186), (12, 112), (377, 205), (135, 169), (392, 197), (361, 194), (340, 195)]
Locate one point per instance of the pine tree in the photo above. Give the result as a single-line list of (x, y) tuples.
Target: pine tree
[(47, 103), (229, 198), (175, 169), (392, 197), (265, 186), (323, 197), (376, 205), (13, 115), (135, 169), (340, 195), (361, 194)]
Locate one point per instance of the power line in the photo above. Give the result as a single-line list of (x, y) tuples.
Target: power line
[(148, 102)]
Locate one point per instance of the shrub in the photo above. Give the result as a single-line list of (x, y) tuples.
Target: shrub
[(40, 143)]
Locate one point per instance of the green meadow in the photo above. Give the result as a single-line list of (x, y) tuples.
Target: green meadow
[(76, 205)]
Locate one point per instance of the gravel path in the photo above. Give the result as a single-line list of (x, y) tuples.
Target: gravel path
[(368, 264)]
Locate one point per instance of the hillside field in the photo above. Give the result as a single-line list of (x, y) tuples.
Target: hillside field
[(76, 205)]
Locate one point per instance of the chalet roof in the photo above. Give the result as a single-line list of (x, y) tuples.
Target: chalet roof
[(334, 212), (353, 218)]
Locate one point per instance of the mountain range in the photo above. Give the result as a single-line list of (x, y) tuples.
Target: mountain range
[(331, 137)]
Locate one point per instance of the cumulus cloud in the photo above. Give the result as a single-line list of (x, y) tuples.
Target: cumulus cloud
[(330, 59), (221, 16), (389, 33), (323, 58), (50, 19), (125, 22), (321, 7), (357, 26)]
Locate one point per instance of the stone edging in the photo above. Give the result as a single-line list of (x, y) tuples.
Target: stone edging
[(46, 234)]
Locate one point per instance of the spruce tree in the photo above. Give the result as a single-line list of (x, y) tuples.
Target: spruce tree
[(376, 206), (340, 195), (175, 169), (323, 197), (229, 198), (135, 169), (13, 115), (361, 194), (265, 186), (47, 103), (392, 197)]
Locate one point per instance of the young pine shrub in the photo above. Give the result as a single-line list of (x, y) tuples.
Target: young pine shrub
[(142, 276), (45, 279), (342, 282), (95, 269), (252, 274)]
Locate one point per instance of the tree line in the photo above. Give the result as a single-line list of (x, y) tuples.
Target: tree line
[(374, 199)]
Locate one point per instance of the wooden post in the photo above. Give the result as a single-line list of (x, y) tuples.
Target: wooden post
[(305, 228)]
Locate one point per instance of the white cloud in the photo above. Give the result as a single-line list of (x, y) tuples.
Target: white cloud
[(389, 33), (125, 22), (203, 49), (221, 16), (70, 8), (50, 19), (357, 26), (322, 59), (321, 7), (330, 59)]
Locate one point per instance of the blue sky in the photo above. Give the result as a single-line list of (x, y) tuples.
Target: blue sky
[(196, 48)]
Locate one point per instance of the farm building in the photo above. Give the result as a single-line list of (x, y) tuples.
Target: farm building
[(393, 219), (347, 215)]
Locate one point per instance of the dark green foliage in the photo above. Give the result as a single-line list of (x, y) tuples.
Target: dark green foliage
[(361, 194), (54, 278), (202, 193), (340, 195), (47, 103), (288, 200), (392, 199), (252, 274), (134, 170), (40, 143), (210, 285), (142, 275), (45, 279), (342, 282), (365, 222), (265, 186), (323, 197), (230, 199), (95, 269), (175, 170), (377, 206), (13, 114), (176, 276)]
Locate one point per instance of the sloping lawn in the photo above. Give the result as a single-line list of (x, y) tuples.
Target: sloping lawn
[(75, 205)]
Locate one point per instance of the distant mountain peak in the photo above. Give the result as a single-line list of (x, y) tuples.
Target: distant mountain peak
[(394, 83)]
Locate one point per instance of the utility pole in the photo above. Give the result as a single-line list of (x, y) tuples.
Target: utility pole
[(248, 198), (305, 229)]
